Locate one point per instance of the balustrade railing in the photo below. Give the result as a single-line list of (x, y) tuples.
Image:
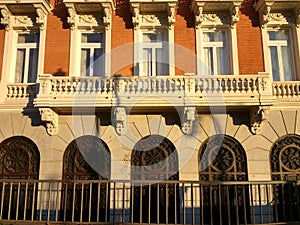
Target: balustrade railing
[(21, 91), (286, 89), (168, 202)]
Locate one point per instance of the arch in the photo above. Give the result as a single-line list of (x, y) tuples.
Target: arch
[(19, 159), (86, 158), (155, 159), (285, 166), (222, 158)]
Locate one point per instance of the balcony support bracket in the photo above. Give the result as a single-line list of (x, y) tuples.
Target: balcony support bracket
[(51, 119), (119, 119), (187, 119), (257, 116)]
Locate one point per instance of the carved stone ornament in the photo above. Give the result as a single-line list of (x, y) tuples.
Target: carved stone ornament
[(235, 16), (257, 116), (136, 19), (187, 118), (107, 18), (7, 20), (297, 15), (171, 18), (41, 18), (120, 120), (72, 18), (51, 119)]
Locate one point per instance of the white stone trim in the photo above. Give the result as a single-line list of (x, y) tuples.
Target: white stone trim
[(15, 24)]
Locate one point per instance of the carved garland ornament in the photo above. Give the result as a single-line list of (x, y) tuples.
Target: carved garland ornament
[(51, 119), (257, 116)]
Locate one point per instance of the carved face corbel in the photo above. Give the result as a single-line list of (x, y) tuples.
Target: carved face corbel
[(119, 120), (187, 119)]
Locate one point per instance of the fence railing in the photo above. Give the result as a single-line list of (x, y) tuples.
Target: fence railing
[(287, 89), (169, 202)]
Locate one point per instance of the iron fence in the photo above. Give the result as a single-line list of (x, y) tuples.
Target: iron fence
[(168, 202)]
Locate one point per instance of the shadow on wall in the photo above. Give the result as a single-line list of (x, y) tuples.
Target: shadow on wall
[(61, 12), (247, 8), (184, 10), (60, 72), (123, 11)]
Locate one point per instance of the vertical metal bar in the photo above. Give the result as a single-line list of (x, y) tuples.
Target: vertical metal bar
[(149, 202), (123, 204), (49, 201), (268, 203), (73, 202), (297, 199), (106, 201), (183, 203), (65, 201), (41, 200), (192, 199), (98, 200), (132, 202), (252, 203), (276, 203), (220, 203), (114, 209), (157, 193), (90, 201), (260, 204), (33, 200), (2, 199), (141, 196), (283, 202), (58, 191), (25, 201), (236, 205), (244, 205), (18, 200), (211, 205), (10, 197), (167, 204), (228, 205), (81, 201), (175, 202), (201, 205)]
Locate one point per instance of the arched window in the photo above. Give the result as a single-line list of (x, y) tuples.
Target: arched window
[(285, 166), (222, 158), (154, 160), (19, 159), (86, 158)]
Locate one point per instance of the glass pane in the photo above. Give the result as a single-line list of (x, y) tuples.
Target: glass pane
[(33, 65), (98, 62), (208, 61), (92, 38), (278, 35), (85, 62), (208, 36), (147, 62), (274, 62), (28, 38), (20, 66), (287, 63), (155, 37), (223, 61), (162, 64)]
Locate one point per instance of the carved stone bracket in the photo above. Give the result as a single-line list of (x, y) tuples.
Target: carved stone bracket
[(234, 15), (257, 116), (107, 18), (136, 19), (171, 16), (297, 15), (7, 19), (119, 119), (187, 118), (51, 119)]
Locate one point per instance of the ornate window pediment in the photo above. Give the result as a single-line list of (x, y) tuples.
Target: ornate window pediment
[(212, 13), (147, 13), (91, 14), (275, 13), (24, 15)]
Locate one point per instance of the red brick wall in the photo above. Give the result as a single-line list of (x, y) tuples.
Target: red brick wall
[(2, 37), (122, 40), (185, 51), (249, 40), (57, 41)]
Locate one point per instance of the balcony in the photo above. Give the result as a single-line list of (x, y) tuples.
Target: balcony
[(136, 202), (150, 92)]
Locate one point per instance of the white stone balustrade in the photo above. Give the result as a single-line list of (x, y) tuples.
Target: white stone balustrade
[(21, 91), (290, 89), (96, 91)]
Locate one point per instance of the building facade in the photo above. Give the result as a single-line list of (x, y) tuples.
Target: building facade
[(139, 111)]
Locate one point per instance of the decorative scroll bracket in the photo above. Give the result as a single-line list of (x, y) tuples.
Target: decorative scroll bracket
[(136, 19), (234, 15), (171, 16), (187, 119), (119, 120), (257, 116), (51, 119)]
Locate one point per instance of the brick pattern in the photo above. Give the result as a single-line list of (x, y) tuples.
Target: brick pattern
[(58, 40)]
